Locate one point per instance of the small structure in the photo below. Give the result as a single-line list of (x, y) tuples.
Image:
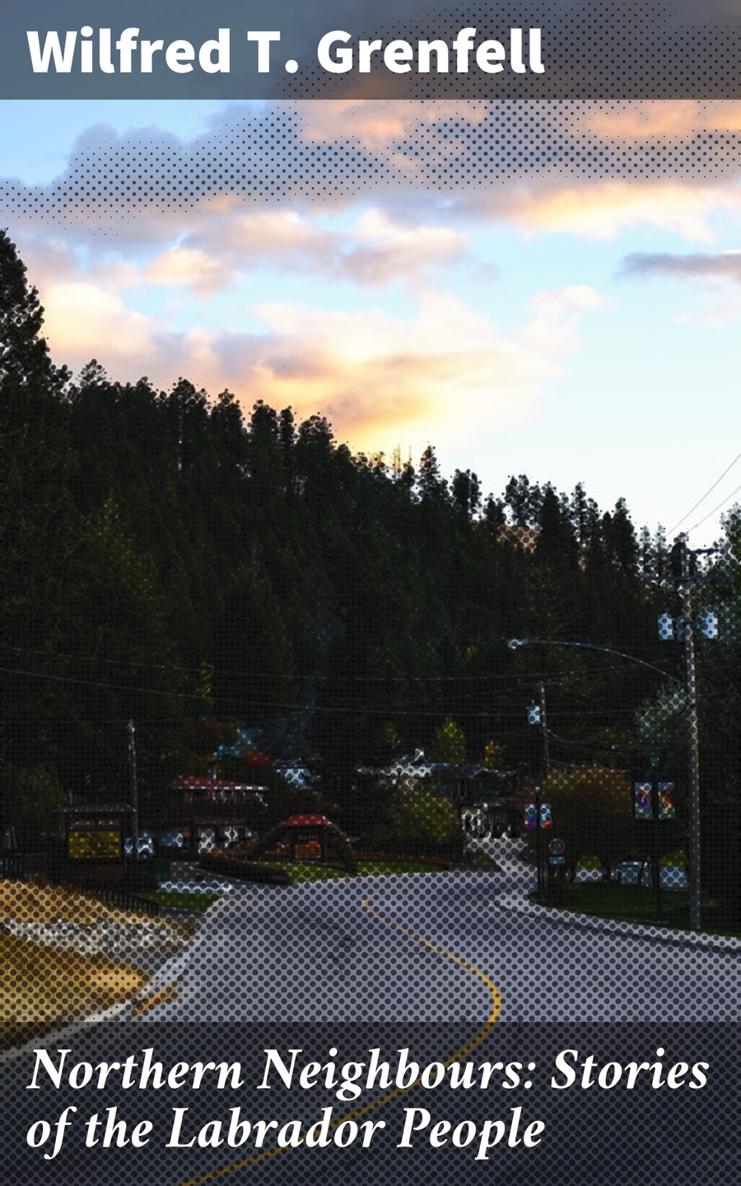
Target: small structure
[(308, 838), (211, 812), (486, 798), (94, 841)]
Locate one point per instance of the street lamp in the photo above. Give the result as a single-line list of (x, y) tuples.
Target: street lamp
[(515, 644), (134, 786)]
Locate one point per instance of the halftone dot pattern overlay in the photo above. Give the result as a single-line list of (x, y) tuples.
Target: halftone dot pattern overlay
[(456, 943), (451, 155), (510, 868)]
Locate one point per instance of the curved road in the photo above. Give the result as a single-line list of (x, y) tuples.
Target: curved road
[(433, 963), (318, 953)]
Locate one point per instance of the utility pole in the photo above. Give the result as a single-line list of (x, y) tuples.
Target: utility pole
[(689, 685), (134, 789), (536, 715), (655, 758), (538, 838), (544, 880), (544, 732), (693, 740)]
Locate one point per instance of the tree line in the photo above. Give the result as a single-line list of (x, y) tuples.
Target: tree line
[(169, 558)]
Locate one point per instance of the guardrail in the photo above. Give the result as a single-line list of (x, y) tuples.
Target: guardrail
[(23, 866), (125, 900)]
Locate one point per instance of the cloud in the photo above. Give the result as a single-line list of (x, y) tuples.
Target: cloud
[(645, 120), (418, 156), (602, 210), (376, 123), (281, 235), (82, 319), (663, 119), (442, 369), (187, 267), (445, 368), (723, 265), (384, 250), (374, 249), (225, 243)]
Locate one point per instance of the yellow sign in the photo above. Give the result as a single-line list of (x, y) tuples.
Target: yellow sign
[(99, 845)]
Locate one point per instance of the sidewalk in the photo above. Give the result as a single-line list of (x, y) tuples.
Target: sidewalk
[(590, 922), (521, 878)]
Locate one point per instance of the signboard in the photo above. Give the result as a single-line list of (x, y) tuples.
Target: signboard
[(557, 847), (643, 800), (667, 809), (90, 844), (530, 817), (642, 807)]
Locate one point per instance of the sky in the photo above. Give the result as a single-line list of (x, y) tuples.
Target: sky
[(550, 289)]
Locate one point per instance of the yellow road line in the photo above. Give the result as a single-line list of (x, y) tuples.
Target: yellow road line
[(495, 1009)]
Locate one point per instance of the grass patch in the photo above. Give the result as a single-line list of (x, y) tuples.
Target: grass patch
[(280, 872), (301, 871), (391, 866), (42, 987), (630, 903), (181, 899)]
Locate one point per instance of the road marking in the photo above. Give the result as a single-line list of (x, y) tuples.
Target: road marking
[(495, 1008)]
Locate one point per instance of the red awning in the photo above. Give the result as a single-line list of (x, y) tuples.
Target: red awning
[(193, 783), (302, 821)]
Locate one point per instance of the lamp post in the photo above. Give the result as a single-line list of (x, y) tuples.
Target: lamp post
[(515, 644), (538, 840), (544, 732), (539, 783), (693, 769), (134, 788), (654, 757)]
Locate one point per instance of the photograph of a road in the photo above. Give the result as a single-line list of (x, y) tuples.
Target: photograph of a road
[(449, 965), (376, 948), (370, 654)]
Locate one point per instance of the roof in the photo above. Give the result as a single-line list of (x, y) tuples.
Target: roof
[(194, 782), (299, 821), (96, 809)]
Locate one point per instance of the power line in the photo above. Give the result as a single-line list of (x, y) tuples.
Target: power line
[(701, 500), (590, 745), (723, 503), (487, 713), (550, 677)]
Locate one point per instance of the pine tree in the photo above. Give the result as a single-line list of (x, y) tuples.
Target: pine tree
[(24, 354), (431, 485), (466, 492)]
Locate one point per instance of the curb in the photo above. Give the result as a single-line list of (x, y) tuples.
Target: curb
[(653, 934)]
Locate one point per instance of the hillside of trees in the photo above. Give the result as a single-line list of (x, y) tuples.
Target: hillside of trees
[(167, 558)]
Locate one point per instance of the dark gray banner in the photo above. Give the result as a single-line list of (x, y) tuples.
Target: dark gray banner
[(527, 1105), (546, 49)]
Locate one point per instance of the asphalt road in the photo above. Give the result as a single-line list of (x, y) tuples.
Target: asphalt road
[(330, 952), (428, 961)]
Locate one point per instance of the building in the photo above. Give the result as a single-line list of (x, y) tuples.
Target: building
[(202, 812)]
